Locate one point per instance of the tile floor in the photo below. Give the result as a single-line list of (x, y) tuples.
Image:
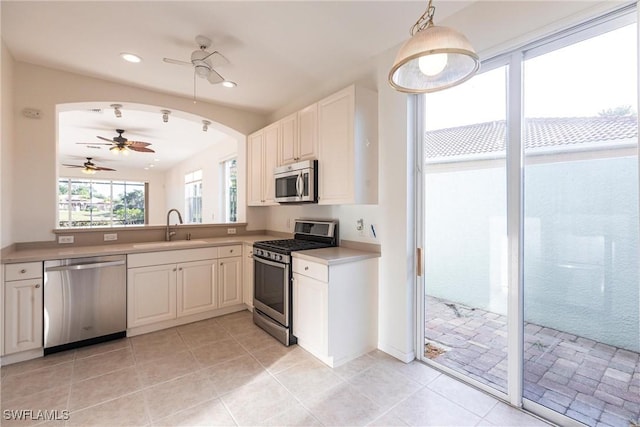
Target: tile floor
[(226, 371), (594, 383)]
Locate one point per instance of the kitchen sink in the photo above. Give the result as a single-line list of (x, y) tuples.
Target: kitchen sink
[(171, 244)]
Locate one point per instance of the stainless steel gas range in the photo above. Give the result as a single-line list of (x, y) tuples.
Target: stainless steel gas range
[(272, 274)]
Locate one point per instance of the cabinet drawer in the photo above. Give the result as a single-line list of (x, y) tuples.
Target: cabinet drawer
[(229, 251), (25, 270), (311, 269)]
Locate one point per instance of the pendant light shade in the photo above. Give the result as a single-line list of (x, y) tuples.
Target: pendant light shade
[(434, 58)]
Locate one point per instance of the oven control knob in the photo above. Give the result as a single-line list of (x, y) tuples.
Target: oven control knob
[(279, 257)]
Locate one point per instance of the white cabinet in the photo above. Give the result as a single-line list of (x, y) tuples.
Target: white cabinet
[(288, 152), (348, 147), (335, 308), (299, 136), (262, 158), (23, 300), (196, 287), (310, 313), (151, 294), (230, 281), (247, 276)]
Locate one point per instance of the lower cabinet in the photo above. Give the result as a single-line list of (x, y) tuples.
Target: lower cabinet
[(23, 307), (151, 294), (23, 315), (196, 285), (335, 308), (157, 293), (230, 281)]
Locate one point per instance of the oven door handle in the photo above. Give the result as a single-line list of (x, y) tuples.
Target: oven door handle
[(271, 263)]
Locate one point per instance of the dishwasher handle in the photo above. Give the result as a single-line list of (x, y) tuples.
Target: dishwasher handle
[(86, 266)]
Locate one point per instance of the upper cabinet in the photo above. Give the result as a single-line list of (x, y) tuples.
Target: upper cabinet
[(341, 131), (299, 136), (348, 147), (262, 158)]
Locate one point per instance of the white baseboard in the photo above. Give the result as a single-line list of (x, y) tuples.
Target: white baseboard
[(394, 352)]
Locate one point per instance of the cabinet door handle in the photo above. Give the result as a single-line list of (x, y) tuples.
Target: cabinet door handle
[(222, 263), (37, 286), (24, 270), (180, 269), (306, 268), (174, 269), (231, 251)]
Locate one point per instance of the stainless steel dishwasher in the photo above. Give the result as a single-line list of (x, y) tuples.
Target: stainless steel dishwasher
[(85, 301)]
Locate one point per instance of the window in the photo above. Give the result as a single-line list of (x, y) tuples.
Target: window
[(193, 197), (95, 203), (230, 190)]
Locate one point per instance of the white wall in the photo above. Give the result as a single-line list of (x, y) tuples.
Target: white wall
[(209, 162), (6, 144), (34, 206)]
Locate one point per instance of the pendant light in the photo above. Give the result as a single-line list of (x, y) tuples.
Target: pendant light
[(434, 58)]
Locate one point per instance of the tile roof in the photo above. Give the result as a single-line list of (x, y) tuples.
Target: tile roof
[(489, 137)]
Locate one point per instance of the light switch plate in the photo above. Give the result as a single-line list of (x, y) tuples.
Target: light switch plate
[(109, 237), (65, 239), (231, 231)]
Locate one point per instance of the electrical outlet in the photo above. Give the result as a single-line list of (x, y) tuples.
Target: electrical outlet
[(110, 237), (231, 231), (360, 224), (65, 239)]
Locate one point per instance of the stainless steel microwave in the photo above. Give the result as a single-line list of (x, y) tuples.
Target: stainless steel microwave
[(297, 182)]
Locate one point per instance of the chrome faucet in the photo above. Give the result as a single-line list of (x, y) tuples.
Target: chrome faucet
[(170, 233)]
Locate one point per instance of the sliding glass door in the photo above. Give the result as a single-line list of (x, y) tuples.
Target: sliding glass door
[(465, 229), (581, 288), (531, 286)]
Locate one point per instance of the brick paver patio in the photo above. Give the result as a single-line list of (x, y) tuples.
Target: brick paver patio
[(592, 382)]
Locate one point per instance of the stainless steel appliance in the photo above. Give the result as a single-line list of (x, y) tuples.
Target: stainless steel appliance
[(272, 274), (297, 182), (85, 301)]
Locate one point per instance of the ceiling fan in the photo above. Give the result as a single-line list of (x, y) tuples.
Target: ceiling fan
[(120, 144), (89, 167), (203, 62)]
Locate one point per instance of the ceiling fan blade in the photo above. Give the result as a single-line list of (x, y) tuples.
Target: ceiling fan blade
[(93, 143), (73, 166), (137, 144), (105, 139), (214, 77), (100, 168), (141, 149), (175, 61), (217, 59)]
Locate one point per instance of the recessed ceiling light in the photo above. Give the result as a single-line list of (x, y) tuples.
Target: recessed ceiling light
[(130, 57)]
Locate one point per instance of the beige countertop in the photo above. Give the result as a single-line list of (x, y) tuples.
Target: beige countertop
[(48, 253), (327, 256), (334, 256)]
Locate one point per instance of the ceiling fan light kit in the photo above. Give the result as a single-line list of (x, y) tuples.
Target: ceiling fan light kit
[(433, 59), (205, 125), (165, 115)]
